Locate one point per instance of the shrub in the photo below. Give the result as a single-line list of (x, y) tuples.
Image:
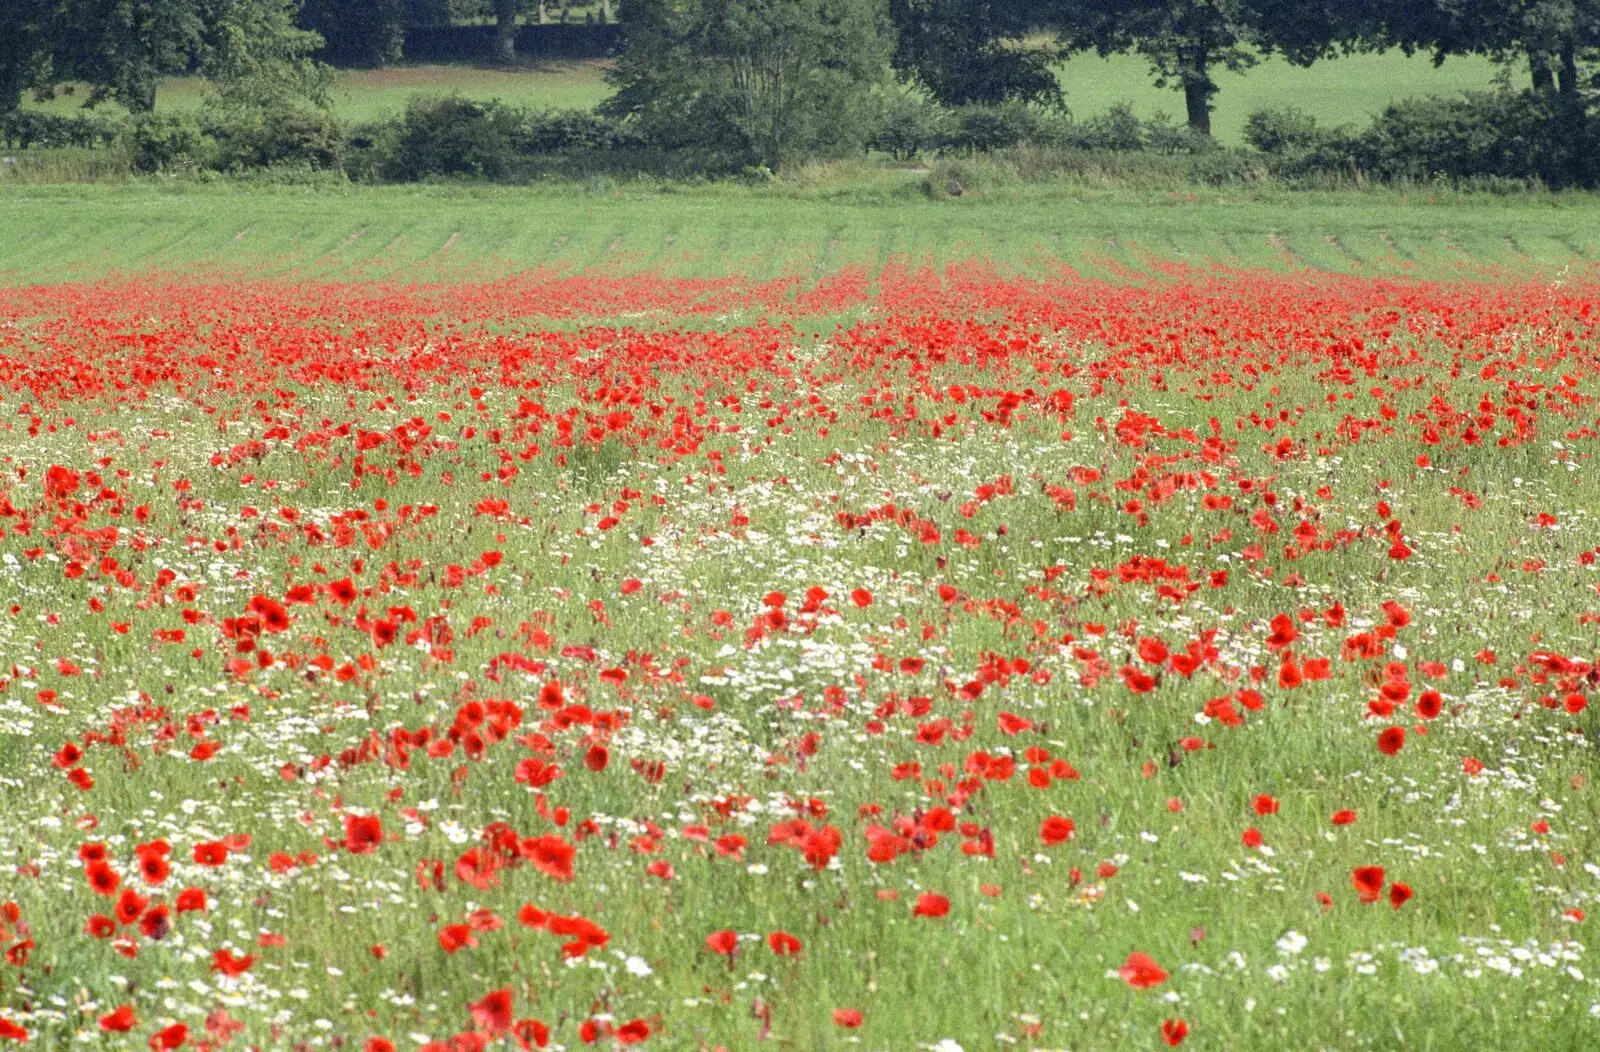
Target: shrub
[(162, 142), (452, 136), (565, 131), (983, 129), (909, 125), (1495, 136), (280, 136), (1281, 130), (25, 129), (1117, 129)]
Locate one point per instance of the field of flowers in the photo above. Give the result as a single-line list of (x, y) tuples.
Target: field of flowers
[(1002, 662)]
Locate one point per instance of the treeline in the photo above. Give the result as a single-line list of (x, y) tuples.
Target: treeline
[(731, 85)]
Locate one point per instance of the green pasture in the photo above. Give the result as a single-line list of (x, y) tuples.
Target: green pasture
[(1345, 89), (52, 233)]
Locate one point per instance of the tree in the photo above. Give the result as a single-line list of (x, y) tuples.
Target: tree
[(1184, 40), (122, 48), (26, 28), (1552, 36), (256, 56), (967, 51), (763, 81), (358, 32)]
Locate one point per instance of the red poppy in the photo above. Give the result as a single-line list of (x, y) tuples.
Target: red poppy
[(861, 597), (783, 944), (632, 1032), (1264, 805), (119, 1020), (362, 834), (129, 905), (1141, 972), (190, 900), (1391, 740), (1251, 837), (174, 1036), (723, 942), (1056, 829), (550, 855), (492, 1012), (931, 904), (1399, 894), (211, 853), (1343, 818), (102, 878), (1368, 882), (156, 922), (1173, 1031), (849, 1018), (453, 937), (224, 962)]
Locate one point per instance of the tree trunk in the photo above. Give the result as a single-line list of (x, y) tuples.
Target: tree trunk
[(1567, 75), (1197, 91), (505, 31), (1544, 79)]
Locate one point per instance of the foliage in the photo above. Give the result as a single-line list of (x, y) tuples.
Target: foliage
[(122, 47), (1184, 41), (162, 142), (752, 81), (908, 125), (35, 128), (969, 51), (261, 137), (357, 32), (1528, 135), (451, 136), (256, 57)]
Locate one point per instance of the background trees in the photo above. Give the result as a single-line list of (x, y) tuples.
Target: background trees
[(769, 79)]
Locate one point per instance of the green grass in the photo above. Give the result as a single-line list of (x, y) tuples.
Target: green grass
[(363, 95), (1346, 89), (53, 233)]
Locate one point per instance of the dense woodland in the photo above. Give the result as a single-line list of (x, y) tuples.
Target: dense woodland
[(735, 84)]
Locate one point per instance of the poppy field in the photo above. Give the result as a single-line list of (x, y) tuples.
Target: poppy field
[(897, 658)]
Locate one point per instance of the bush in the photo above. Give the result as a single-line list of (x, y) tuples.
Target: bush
[(247, 139), (163, 142), (984, 129), (27, 129), (1281, 130), (1494, 136), (451, 136), (567, 131), (1116, 130), (908, 125)]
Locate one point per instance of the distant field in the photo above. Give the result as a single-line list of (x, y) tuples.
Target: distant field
[(63, 233), (369, 94), (1346, 89)]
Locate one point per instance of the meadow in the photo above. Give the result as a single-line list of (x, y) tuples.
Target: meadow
[(803, 617), (1347, 89)]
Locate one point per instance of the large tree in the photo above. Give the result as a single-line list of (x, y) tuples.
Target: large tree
[(965, 51), (769, 81), (122, 48), (1186, 41), (255, 56), (358, 32), (1552, 36), (27, 29)]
